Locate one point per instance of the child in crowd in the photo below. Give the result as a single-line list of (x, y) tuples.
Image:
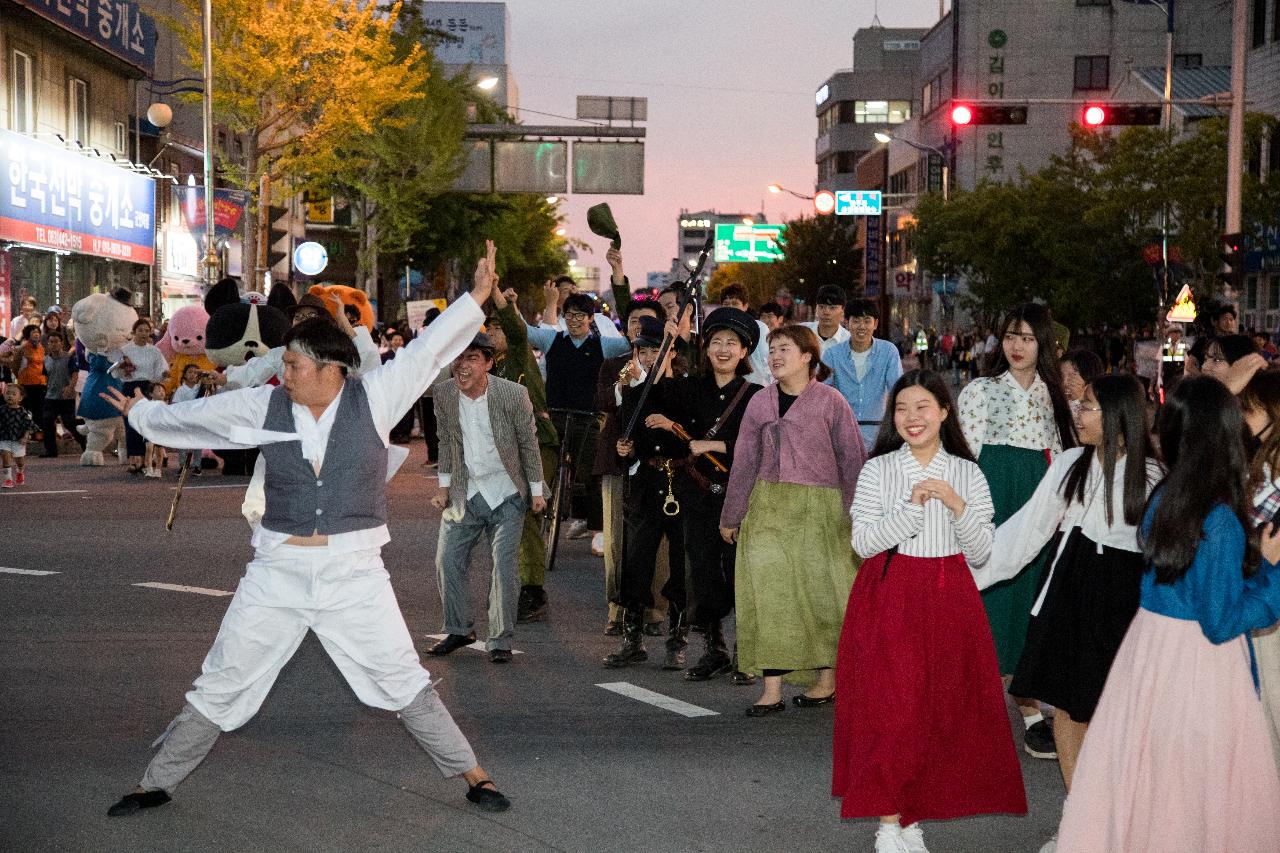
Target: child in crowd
[(921, 731), (189, 389), (155, 453), (16, 426), (60, 394)]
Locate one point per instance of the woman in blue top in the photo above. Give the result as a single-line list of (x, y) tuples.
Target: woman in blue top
[(1177, 757)]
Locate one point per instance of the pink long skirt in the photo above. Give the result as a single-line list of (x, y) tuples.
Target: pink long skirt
[(1177, 759)]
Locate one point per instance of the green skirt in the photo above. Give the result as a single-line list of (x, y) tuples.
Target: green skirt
[(1012, 474), (794, 569)]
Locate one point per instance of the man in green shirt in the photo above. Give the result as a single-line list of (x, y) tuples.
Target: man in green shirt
[(513, 360)]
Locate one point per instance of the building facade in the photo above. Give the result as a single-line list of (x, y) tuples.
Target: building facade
[(854, 103), (75, 217)]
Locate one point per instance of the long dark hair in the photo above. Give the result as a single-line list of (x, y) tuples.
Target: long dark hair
[(1124, 431), (1262, 394), (1202, 438), (953, 441), (1041, 322)]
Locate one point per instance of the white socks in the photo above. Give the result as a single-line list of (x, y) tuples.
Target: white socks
[(1033, 719)]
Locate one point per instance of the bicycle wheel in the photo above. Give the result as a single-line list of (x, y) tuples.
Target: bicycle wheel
[(557, 509)]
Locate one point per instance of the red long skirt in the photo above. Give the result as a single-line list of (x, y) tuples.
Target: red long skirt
[(921, 728)]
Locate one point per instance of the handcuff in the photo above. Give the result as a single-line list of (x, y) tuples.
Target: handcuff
[(670, 506)]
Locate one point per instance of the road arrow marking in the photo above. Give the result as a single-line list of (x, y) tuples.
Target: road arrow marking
[(26, 571), (173, 587)]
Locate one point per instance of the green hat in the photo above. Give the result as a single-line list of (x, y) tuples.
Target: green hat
[(600, 221)]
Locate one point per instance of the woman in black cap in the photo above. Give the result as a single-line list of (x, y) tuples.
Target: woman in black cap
[(706, 409)]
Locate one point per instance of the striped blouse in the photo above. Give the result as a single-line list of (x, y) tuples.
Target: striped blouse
[(883, 515)]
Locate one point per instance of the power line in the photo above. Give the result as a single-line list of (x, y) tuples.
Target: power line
[(556, 115)]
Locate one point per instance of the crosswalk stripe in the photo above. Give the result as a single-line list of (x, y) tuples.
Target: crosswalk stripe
[(667, 703), (18, 492), (477, 646), (26, 571), (174, 587)]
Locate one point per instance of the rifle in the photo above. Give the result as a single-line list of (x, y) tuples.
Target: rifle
[(184, 470)]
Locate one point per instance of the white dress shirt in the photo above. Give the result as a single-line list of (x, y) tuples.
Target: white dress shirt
[(884, 516), (259, 370), (234, 420), (486, 474), (841, 335), (760, 373), (1018, 541)]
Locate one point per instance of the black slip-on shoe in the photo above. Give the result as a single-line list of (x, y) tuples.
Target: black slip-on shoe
[(451, 644), (803, 701), (500, 656), (487, 796), (766, 710), (136, 802)]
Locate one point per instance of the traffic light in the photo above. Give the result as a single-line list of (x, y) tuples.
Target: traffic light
[(1232, 254), (278, 247), (1100, 115), (967, 114)]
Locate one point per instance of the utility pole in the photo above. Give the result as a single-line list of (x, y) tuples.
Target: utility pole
[(1235, 126)]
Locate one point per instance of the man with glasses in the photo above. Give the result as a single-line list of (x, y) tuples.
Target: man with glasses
[(864, 371)]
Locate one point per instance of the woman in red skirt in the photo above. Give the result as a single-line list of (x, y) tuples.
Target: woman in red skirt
[(921, 729)]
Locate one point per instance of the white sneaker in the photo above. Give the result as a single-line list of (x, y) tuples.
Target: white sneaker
[(889, 839), (153, 473), (597, 545), (913, 839), (576, 529), (1050, 846)]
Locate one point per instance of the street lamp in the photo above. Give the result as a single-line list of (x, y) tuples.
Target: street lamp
[(885, 137), (779, 188), (487, 84)]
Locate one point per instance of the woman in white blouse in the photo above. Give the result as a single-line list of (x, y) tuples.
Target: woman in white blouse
[(1094, 497), (1017, 419), (921, 731), (141, 364)]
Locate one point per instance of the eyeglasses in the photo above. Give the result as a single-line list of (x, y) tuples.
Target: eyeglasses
[(575, 315), (1082, 407)]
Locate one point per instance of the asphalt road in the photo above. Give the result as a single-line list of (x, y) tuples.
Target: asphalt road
[(93, 667)]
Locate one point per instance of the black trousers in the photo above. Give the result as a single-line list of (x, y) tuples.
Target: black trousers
[(710, 558), (53, 411), (135, 444), (645, 524), (427, 414)]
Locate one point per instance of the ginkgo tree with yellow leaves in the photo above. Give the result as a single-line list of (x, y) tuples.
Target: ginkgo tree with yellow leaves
[(299, 80)]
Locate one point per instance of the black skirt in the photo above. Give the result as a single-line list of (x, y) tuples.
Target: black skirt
[(1093, 595)]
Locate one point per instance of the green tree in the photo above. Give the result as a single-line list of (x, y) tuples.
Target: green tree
[(818, 251), (1074, 232), (760, 280)]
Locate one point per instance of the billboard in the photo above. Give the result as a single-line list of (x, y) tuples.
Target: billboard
[(117, 26), (530, 167), (478, 32), (616, 168), (58, 199), (742, 243)]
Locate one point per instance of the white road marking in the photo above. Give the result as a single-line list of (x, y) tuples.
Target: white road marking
[(626, 688), (174, 587), (26, 571), (15, 493), (212, 486), (477, 646)]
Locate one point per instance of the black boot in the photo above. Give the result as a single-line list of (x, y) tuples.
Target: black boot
[(715, 660), (632, 648), (532, 606), (677, 641)]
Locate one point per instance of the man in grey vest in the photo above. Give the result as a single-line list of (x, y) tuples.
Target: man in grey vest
[(317, 553), (490, 473)]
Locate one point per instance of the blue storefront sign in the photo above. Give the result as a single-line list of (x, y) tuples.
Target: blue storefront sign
[(58, 199), (871, 258), (117, 26)]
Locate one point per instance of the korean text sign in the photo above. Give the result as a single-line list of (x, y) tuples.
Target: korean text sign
[(117, 26), (59, 199)]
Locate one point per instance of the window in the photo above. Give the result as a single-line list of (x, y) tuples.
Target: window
[(1251, 291), (1273, 158), (903, 182), (1093, 72), (78, 110), (881, 112), (847, 161), (22, 106), (841, 112), (1273, 292), (932, 97), (1259, 23), (1188, 60), (122, 138)]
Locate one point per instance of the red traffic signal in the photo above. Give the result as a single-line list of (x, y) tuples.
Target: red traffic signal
[(1232, 254), (966, 114), (1120, 115)]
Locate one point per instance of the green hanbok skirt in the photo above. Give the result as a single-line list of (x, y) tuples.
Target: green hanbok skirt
[(794, 569), (1012, 475)]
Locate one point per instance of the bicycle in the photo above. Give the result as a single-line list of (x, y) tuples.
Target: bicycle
[(574, 426)]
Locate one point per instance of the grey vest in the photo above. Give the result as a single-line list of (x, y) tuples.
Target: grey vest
[(350, 491)]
